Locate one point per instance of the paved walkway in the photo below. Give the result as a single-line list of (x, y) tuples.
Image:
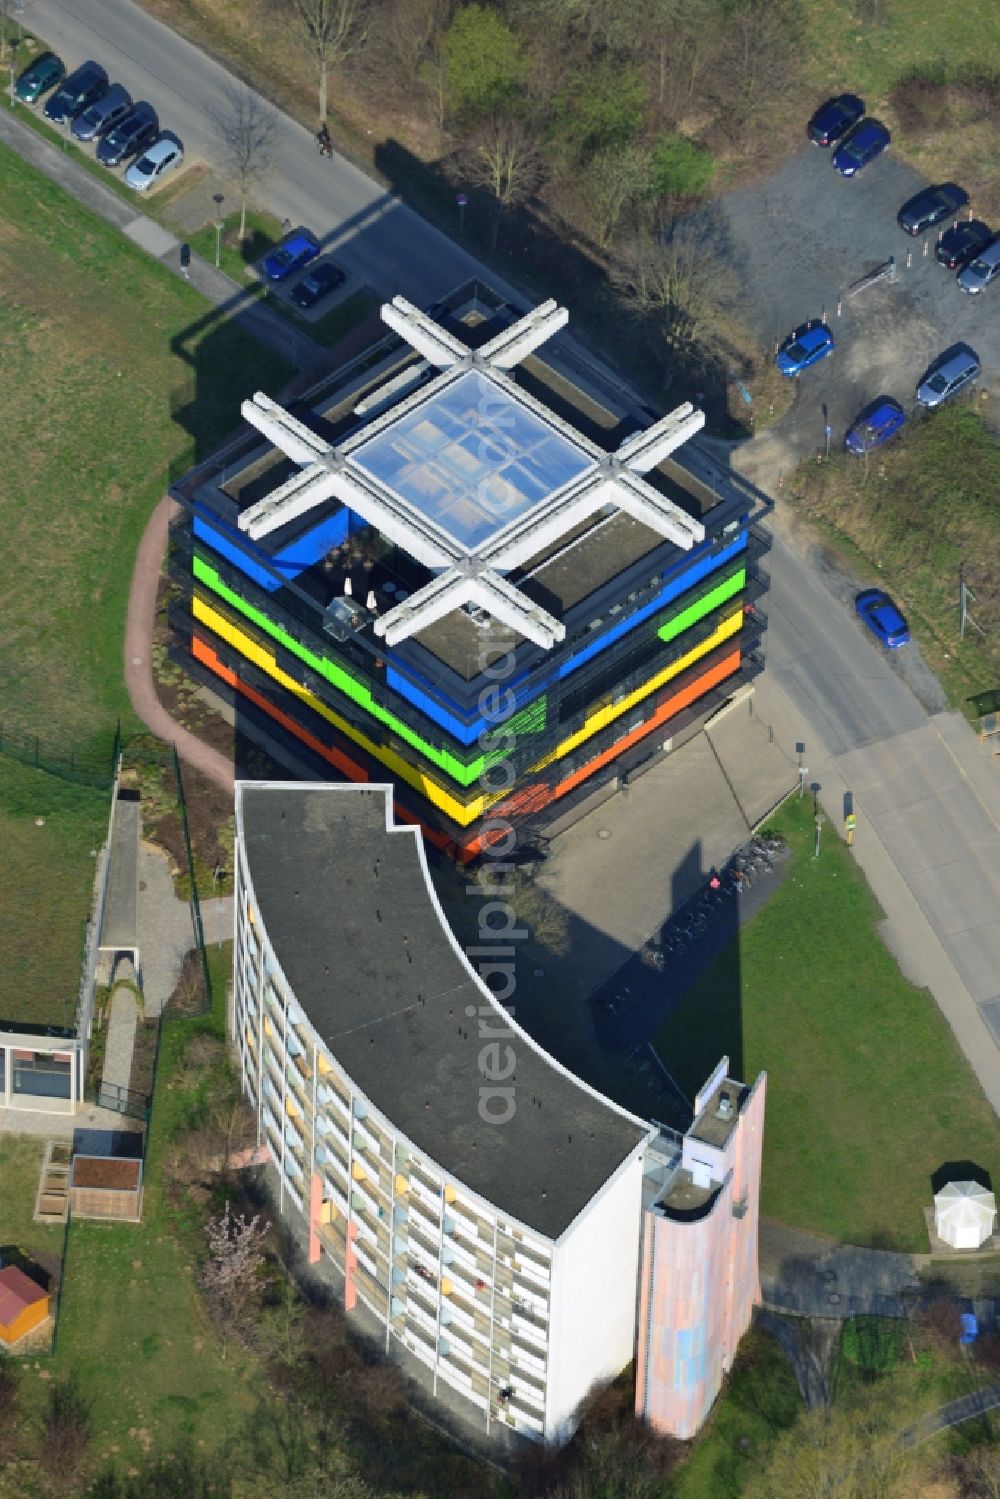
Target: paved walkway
[(807, 1275), (122, 1022), (166, 928)]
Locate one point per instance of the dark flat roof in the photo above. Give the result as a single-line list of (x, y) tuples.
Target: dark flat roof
[(354, 924)]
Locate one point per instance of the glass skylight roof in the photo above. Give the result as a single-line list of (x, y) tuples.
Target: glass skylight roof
[(471, 459)]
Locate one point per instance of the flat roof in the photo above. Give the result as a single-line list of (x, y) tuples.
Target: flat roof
[(354, 923), (713, 1127)]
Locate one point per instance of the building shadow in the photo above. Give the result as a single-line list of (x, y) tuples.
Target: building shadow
[(960, 1171)]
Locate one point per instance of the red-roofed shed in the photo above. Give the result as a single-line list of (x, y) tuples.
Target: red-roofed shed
[(23, 1304)]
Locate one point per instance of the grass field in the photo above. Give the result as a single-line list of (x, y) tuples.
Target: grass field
[(46, 879), (913, 522), (20, 1169), (131, 1323), (868, 1093), (116, 375)]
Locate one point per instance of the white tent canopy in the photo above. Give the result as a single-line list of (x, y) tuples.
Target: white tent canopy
[(964, 1214)]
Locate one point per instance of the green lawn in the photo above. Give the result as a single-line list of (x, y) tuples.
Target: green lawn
[(132, 1324), (759, 1400), (866, 46), (116, 375), (46, 879), (20, 1172), (868, 1093)]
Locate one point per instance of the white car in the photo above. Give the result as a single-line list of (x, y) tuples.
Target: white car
[(155, 162)]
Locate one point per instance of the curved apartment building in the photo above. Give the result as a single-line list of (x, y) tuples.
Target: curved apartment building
[(484, 1204), (378, 1062)]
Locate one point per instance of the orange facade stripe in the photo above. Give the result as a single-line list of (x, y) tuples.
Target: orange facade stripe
[(674, 704), (204, 653)]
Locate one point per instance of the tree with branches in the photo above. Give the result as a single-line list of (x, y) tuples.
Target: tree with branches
[(235, 1254), (244, 126), (503, 157), (331, 31), (615, 186), (684, 289)]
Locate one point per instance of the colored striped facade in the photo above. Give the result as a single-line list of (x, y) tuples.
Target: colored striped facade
[(477, 725)]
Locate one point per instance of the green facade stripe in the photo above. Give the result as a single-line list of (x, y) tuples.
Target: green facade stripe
[(341, 680), (530, 720), (678, 623)]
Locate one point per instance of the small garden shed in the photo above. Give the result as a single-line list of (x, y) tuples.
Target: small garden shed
[(106, 1186), (23, 1305)]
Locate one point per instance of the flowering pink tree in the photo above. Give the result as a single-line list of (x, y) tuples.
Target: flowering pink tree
[(235, 1254)]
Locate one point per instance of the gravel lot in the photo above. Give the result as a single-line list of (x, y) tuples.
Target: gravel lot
[(799, 240)]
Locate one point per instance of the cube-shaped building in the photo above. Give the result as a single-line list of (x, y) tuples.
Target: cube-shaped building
[(470, 562)]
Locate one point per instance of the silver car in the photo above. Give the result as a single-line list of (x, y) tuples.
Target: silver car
[(955, 369), (155, 162), (981, 271)]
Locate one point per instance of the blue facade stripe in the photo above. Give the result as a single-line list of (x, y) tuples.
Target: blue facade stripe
[(687, 579), (292, 560), (467, 733)]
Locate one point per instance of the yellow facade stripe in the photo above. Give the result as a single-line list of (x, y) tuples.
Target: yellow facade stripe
[(267, 662), (611, 711), (463, 814)]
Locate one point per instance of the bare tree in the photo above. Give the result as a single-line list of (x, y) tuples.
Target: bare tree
[(614, 186), (244, 125), (688, 292), (66, 1428), (229, 1275), (503, 157), (331, 30)]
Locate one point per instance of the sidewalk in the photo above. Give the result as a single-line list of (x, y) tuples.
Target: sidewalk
[(215, 286)]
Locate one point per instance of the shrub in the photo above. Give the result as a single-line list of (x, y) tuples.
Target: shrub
[(921, 101), (680, 169)]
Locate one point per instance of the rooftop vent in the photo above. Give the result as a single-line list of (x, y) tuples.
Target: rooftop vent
[(725, 1109)]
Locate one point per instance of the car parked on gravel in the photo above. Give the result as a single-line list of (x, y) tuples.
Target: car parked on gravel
[(156, 161), (834, 118), (879, 614), (295, 251), (130, 136), (932, 205), (876, 426), (951, 372), (861, 146), (38, 77), (102, 116), (978, 274), (962, 243), (810, 343), (317, 283), (76, 93)]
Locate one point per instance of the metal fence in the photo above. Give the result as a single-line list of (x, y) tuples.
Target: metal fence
[(92, 769), (123, 1100)]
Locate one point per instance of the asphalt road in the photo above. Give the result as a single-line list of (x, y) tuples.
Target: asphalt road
[(370, 232)]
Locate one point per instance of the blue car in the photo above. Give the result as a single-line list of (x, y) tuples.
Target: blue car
[(862, 145), (875, 427), (806, 346), (834, 118), (876, 610), (291, 255)]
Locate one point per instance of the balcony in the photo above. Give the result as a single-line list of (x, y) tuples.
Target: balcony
[(532, 1328)]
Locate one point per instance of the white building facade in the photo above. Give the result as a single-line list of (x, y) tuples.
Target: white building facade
[(521, 1297)]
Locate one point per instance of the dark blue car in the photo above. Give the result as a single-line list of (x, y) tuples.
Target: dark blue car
[(876, 610), (865, 142), (875, 427), (807, 345), (291, 255), (834, 118)]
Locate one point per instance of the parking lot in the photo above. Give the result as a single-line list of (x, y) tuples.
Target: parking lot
[(799, 240)]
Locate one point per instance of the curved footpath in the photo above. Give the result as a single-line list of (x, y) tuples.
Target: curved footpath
[(139, 653)]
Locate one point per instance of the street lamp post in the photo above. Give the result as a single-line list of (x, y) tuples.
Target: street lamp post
[(218, 199)]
